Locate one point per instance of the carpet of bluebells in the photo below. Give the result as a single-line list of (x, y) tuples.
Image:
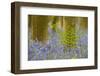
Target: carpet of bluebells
[(53, 49)]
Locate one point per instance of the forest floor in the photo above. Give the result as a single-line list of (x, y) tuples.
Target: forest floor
[(55, 50)]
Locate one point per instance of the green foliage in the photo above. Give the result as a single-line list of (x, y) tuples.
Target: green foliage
[(55, 20), (69, 38), (53, 27)]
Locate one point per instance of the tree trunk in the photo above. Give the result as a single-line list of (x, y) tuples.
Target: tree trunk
[(39, 26)]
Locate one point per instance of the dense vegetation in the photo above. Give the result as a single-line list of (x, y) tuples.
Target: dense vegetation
[(57, 37)]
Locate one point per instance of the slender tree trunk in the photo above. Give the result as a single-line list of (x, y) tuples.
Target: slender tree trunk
[(42, 28)]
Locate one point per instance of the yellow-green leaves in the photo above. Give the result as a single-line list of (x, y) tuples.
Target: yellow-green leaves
[(69, 38)]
